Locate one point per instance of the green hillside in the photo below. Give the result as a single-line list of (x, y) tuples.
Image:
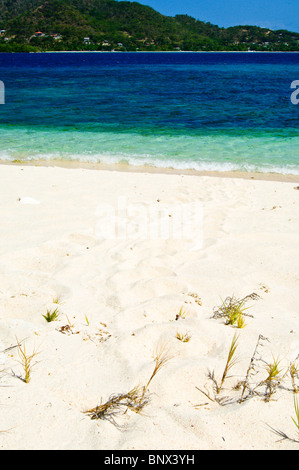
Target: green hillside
[(41, 25)]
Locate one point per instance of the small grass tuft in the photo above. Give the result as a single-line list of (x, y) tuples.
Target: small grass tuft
[(274, 378), (184, 337), (52, 315), (182, 314)]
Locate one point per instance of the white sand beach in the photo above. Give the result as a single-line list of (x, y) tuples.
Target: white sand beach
[(86, 241)]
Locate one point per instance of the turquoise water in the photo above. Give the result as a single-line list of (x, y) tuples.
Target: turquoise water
[(204, 111)]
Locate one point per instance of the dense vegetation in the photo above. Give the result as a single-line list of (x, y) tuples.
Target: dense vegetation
[(125, 26)]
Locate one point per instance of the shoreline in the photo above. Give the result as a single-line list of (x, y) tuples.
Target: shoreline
[(125, 167), (154, 52), (178, 52)]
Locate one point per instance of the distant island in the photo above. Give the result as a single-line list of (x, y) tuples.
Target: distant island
[(110, 25)]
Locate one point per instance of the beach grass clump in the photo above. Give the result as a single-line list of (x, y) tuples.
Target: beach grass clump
[(52, 315), (27, 361), (233, 310), (253, 384), (135, 400)]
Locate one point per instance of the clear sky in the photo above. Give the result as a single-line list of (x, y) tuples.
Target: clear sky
[(273, 14)]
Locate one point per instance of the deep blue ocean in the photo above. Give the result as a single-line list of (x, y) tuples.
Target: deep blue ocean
[(203, 111)]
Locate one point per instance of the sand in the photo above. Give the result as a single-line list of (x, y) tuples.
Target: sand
[(123, 252)]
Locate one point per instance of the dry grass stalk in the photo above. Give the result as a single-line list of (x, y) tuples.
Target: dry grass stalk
[(230, 362), (252, 368), (294, 373), (161, 357), (296, 407)]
